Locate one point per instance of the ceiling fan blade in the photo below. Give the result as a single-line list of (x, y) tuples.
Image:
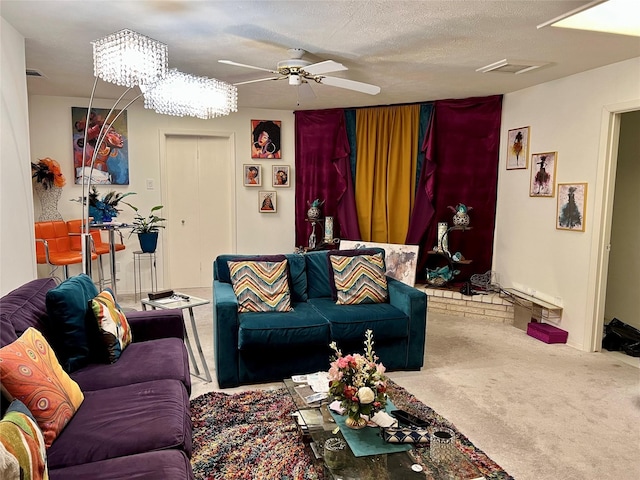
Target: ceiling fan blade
[(324, 67), (258, 80), (350, 84), (236, 64)]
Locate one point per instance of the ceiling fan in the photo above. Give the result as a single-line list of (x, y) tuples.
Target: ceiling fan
[(300, 72)]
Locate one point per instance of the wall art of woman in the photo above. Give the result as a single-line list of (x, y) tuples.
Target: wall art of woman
[(265, 139)]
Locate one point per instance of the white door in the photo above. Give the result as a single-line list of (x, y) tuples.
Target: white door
[(198, 207)]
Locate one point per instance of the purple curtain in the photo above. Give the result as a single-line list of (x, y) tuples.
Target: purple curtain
[(461, 166), (323, 171)]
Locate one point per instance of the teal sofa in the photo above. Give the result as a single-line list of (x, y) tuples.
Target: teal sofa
[(259, 347)]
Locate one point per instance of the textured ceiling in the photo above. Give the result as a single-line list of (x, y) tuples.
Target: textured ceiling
[(414, 50)]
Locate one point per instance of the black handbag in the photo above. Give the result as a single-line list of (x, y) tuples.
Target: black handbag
[(409, 434)]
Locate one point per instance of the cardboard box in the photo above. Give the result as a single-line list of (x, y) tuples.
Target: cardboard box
[(547, 333)]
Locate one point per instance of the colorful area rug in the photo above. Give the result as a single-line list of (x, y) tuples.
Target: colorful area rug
[(252, 436)]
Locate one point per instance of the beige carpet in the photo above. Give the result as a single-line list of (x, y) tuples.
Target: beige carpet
[(540, 411)]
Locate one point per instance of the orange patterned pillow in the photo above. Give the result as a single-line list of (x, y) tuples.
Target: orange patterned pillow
[(30, 372)]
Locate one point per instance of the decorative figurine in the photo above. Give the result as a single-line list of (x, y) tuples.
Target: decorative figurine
[(461, 215), (313, 214)]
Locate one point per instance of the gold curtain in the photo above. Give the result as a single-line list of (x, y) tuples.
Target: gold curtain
[(386, 161)]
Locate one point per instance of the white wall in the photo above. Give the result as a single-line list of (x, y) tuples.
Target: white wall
[(623, 281), (50, 124), (565, 116), (17, 248)]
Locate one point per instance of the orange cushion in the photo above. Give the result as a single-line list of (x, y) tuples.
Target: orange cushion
[(30, 372)]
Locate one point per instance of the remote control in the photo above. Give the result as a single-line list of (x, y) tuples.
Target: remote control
[(407, 418)]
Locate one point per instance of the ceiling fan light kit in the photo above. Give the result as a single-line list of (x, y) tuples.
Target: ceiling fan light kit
[(300, 72)]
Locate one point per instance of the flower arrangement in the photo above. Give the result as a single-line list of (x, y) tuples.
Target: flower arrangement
[(103, 209), (358, 382), (47, 172)]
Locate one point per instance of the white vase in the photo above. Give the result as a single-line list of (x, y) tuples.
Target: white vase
[(49, 202), (443, 240)]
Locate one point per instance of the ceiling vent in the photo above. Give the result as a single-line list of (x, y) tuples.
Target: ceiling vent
[(511, 66), (34, 73)]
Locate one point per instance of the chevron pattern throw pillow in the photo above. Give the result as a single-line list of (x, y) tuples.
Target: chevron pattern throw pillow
[(261, 286), (359, 279)]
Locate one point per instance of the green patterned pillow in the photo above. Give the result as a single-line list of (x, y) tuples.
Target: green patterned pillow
[(22, 450), (261, 286), (115, 330), (359, 279)]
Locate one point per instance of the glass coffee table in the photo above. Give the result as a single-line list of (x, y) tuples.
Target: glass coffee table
[(317, 425), (185, 302)]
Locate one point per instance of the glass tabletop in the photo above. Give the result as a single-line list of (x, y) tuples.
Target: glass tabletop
[(176, 301), (317, 425)]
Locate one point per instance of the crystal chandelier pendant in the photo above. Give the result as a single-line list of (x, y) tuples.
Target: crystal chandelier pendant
[(129, 59), (181, 94)]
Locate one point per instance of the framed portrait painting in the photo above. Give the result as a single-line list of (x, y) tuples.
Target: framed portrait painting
[(543, 174), (280, 176), (267, 202), (111, 165), (252, 175), (265, 139), (572, 204), (518, 148)]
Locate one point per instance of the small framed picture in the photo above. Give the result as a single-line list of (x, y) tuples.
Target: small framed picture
[(518, 148), (267, 202), (280, 176), (265, 139), (572, 205), (543, 174), (252, 175)]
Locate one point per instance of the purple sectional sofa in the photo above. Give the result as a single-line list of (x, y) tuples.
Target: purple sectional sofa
[(134, 422)]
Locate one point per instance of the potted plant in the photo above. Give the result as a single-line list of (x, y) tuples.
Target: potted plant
[(147, 228), (103, 210)]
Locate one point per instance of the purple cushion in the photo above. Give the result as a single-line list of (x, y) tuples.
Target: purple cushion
[(24, 307), (139, 362), (127, 420), (165, 464)]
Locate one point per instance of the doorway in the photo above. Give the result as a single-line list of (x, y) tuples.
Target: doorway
[(607, 171), (198, 172)]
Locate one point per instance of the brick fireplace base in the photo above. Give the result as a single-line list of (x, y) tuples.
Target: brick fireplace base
[(450, 302)]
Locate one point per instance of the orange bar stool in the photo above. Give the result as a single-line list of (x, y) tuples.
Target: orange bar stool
[(53, 246)]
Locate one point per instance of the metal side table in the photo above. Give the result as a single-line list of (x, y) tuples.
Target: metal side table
[(185, 302), (137, 272)]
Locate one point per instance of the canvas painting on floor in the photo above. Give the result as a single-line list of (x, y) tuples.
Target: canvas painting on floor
[(401, 260)]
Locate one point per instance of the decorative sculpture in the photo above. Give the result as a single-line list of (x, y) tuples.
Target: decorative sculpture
[(461, 215)]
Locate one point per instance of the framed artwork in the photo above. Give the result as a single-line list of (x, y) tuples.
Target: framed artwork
[(518, 148), (265, 139), (400, 260), (267, 202), (252, 175), (543, 174), (280, 176), (111, 166), (572, 204)]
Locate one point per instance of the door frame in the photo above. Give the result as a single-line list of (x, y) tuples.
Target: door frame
[(164, 182), (603, 211)]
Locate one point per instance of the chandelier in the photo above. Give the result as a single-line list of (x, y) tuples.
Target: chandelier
[(130, 59), (181, 94)]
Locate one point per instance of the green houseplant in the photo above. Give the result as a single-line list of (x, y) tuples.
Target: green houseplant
[(147, 228)]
